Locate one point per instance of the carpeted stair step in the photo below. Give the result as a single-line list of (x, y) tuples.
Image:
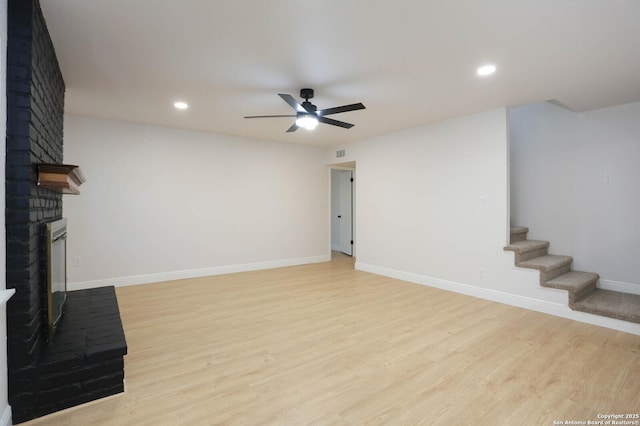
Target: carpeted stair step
[(550, 266), (555, 272), (578, 284), (528, 249), (518, 233), (612, 304)]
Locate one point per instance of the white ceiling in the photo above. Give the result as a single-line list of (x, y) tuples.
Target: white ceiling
[(410, 62)]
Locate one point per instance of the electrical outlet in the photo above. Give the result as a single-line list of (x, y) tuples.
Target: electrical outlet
[(606, 178), (482, 272), (76, 261)]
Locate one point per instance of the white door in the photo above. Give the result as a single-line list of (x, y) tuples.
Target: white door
[(342, 211)]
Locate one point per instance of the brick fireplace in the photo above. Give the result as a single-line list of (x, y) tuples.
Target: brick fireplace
[(84, 359)]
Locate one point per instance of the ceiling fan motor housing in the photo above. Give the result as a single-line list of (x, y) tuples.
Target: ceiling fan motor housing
[(311, 108), (306, 94)]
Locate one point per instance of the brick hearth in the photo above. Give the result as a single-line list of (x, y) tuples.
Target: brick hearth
[(83, 362)]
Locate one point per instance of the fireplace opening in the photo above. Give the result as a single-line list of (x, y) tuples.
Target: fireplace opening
[(56, 272)]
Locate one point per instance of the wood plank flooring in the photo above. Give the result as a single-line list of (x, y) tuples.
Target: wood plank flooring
[(324, 344)]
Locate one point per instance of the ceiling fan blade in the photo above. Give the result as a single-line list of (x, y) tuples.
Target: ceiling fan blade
[(268, 116), (333, 122), (293, 128), (344, 108), (292, 102)]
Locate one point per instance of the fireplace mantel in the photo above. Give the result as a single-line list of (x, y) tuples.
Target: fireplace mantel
[(65, 178)]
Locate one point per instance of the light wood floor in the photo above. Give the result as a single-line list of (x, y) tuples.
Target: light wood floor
[(324, 344)]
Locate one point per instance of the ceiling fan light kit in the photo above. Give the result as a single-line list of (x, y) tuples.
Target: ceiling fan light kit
[(307, 114), (307, 121)]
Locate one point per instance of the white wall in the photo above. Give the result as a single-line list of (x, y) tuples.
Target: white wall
[(164, 203), (434, 198), (433, 209), (5, 409), (558, 162)]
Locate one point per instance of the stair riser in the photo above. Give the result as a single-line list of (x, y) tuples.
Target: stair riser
[(579, 295), (552, 273), (521, 236), (521, 257)]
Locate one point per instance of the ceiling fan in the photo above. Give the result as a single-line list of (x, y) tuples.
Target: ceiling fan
[(307, 114)]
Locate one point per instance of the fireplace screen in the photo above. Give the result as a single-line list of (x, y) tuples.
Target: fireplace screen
[(56, 271)]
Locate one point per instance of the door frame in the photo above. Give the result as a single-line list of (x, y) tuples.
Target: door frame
[(349, 166)]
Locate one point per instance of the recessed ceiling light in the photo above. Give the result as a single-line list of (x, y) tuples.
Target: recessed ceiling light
[(180, 105), (486, 70)]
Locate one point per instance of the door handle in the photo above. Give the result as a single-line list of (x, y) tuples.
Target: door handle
[(339, 216)]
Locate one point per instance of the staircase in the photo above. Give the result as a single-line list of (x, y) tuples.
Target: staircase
[(556, 272)]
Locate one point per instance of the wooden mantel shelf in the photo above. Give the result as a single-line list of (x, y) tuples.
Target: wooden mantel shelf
[(65, 178)]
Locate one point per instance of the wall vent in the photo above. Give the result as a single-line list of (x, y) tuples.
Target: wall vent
[(341, 153)]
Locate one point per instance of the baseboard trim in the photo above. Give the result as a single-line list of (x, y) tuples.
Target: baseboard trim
[(196, 273), (5, 420), (537, 305), (619, 286)]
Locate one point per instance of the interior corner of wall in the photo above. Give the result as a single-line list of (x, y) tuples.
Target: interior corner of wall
[(558, 103)]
